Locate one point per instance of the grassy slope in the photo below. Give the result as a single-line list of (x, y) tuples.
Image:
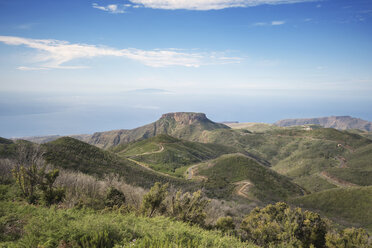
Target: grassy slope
[(29, 226), (176, 154), (299, 153), (359, 167), (229, 169), (70, 153), (342, 204), (7, 148)]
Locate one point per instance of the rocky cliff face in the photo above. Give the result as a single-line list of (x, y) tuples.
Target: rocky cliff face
[(183, 125), (185, 118), (337, 122)]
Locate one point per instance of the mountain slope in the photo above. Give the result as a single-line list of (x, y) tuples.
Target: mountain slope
[(337, 122), (76, 155), (226, 172), (171, 155), (352, 205), (181, 125)]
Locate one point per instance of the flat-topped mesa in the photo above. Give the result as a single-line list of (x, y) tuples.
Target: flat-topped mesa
[(186, 118)]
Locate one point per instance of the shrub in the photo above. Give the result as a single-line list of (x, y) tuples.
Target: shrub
[(114, 197), (348, 238), (154, 199), (279, 223), (225, 224), (189, 208)]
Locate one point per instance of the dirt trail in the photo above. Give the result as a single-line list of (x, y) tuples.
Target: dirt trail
[(147, 167), (161, 148), (336, 181), (190, 173), (243, 188), (342, 161)]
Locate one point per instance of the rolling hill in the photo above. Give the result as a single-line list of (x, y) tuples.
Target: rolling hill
[(224, 175), (170, 155), (72, 154), (344, 205), (337, 122)]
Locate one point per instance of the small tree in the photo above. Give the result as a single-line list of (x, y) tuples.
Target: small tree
[(27, 180), (31, 178), (348, 238), (50, 194), (154, 199), (225, 224), (189, 208)]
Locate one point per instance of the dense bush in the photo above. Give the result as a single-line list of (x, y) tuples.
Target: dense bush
[(279, 223), (225, 224), (189, 208), (114, 197), (348, 238)]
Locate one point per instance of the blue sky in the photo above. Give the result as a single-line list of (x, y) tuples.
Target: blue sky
[(69, 67)]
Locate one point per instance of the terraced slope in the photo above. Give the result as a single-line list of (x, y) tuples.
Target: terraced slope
[(225, 173), (170, 155)]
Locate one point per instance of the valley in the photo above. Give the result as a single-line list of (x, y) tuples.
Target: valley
[(324, 170)]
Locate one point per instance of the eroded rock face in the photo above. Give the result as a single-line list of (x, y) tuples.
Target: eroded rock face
[(186, 118)]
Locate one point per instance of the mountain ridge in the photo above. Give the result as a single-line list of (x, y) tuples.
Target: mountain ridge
[(337, 122)]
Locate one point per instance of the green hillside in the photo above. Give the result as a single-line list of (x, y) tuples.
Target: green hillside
[(225, 173), (358, 167), (350, 205), (171, 155), (302, 154), (7, 148), (73, 154)]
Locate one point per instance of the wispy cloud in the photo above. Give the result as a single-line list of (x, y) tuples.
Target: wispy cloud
[(26, 26), (55, 54), (209, 4), (273, 23), (277, 23), (112, 8)]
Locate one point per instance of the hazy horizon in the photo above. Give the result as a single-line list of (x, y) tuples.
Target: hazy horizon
[(74, 67)]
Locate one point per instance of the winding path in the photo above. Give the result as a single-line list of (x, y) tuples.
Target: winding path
[(335, 181), (243, 188)]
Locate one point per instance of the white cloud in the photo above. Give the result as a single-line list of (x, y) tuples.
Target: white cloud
[(273, 23), (113, 8), (209, 4), (55, 53), (277, 23)]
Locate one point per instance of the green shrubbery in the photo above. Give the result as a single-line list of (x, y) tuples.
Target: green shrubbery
[(38, 184), (276, 224), (348, 238)]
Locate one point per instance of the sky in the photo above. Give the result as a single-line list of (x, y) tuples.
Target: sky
[(73, 67)]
